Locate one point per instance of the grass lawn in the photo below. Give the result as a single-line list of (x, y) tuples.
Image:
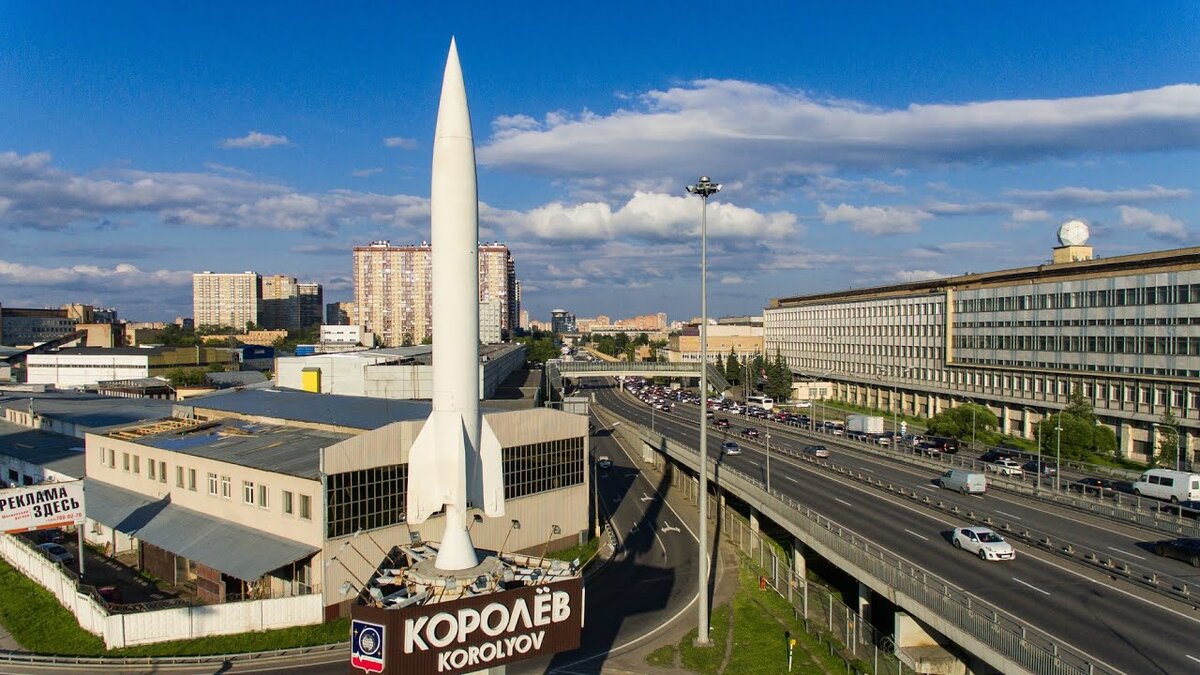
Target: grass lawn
[(36, 620), (761, 623), (583, 552)]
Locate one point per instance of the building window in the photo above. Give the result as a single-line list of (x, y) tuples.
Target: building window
[(226, 487), (248, 492), (540, 467), (212, 484), (150, 469), (263, 493), (162, 473), (137, 463), (365, 499), (306, 507), (287, 502), (192, 480), (179, 476), (125, 460)]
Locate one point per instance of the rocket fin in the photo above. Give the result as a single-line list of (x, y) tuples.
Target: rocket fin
[(492, 469), (433, 470)]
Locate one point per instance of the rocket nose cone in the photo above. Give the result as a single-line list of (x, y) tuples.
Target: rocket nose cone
[(454, 119)]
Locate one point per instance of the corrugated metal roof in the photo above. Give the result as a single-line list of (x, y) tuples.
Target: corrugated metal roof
[(354, 412), (57, 452), (234, 549), (241, 377), (272, 447), (88, 410)]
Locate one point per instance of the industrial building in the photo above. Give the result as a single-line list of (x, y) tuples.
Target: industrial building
[(398, 373), (86, 366), (275, 492), (1124, 330)]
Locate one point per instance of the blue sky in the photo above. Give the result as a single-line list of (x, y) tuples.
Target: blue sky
[(860, 144)]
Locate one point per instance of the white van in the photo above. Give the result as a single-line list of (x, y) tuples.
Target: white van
[(1176, 486), (963, 481)]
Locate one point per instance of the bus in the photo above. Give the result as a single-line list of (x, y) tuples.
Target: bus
[(764, 402)]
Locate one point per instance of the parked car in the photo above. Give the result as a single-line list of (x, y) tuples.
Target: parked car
[(58, 553), (1189, 509), (982, 542), (996, 455), (731, 448), (1006, 467), (604, 462), (750, 432), (1100, 487), (110, 594), (55, 536), (816, 451), (1045, 469), (1187, 550)]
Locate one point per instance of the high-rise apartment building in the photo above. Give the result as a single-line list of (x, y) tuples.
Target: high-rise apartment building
[(310, 300), (340, 314), (393, 289), (231, 300), (279, 307), (562, 321)]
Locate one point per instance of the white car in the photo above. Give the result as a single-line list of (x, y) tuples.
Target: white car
[(731, 448), (982, 542), (1006, 467), (604, 462)]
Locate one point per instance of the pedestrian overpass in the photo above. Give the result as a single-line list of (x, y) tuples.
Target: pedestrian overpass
[(557, 370)]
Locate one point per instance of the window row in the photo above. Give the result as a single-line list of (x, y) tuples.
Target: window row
[(1104, 344), (1113, 297), (218, 485)]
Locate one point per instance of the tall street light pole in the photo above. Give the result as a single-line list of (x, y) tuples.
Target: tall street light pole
[(1057, 449), (705, 188), (768, 437), (1037, 430)]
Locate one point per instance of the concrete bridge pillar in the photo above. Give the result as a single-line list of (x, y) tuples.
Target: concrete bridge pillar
[(921, 651), (754, 529), (864, 601), (799, 562)]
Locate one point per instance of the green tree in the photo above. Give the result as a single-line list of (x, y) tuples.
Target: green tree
[(1077, 439), (733, 368), (779, 379), (1078, 406), (642, 340), (539, 349), (1168, 441), (957, 421), (406, 340), (186, 377)]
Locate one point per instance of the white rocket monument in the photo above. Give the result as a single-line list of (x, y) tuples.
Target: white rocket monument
[(455, 460)]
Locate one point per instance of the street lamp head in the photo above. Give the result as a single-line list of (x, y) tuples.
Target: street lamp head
[(704, 187)]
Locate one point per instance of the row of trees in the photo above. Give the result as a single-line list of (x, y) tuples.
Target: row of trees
[(757, 374)]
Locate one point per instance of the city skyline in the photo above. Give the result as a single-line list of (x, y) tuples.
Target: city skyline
[(148, 147)]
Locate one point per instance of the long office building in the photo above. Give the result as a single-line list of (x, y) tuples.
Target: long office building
[(1124, 330), (393, 290)]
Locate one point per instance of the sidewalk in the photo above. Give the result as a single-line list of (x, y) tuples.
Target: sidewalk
[(7, 643)]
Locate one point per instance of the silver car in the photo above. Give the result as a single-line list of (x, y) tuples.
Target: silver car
[(982, 542)]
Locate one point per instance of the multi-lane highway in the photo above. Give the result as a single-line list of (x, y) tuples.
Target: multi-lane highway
[(1119, 626)]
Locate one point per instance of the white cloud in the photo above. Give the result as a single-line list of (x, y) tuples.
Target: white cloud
[(254, 140), (400, 142), (1158, 225), (366, 173), (1030, 215), (646, 215), (41, 196), (905, 276), (876, 220), (1081, 196), (748, 128), (732, 279), (223, 168), (122, 276)]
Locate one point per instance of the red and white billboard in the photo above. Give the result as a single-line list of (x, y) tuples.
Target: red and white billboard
[(38, 507)]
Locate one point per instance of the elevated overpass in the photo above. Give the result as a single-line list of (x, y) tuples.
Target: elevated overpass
[(557, 370)]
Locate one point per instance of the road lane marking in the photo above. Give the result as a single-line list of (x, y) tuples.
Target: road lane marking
[(1131, 555), (1030, 586), (843, 501), (1003, 513), (791, 479), (1192, 658), (918, 536), (867, 469), (927, 487)]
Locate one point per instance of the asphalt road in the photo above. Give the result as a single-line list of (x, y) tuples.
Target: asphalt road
[(1118, 628)]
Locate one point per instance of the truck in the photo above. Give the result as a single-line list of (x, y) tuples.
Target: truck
[(864, 424)]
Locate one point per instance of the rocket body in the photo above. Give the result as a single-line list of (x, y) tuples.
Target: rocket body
[(455, 460)]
